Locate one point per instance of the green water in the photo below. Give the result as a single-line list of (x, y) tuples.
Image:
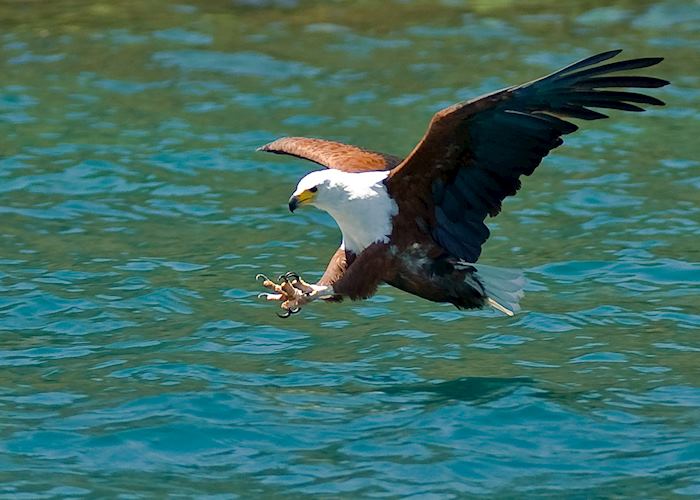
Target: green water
[(135, 359)]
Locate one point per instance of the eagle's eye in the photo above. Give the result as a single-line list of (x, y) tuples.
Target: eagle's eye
[(314, 189)]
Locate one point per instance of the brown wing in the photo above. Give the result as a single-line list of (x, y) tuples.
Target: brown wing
[(332, 154), (473, 154)]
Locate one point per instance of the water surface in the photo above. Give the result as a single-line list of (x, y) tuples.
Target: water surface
[(135, 358)]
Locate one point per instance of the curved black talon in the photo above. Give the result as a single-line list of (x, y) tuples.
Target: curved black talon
[(261, 275), (287, 313), (295, 310), (288, 276)]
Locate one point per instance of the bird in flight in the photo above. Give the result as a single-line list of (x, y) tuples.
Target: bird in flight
[(418, 223)]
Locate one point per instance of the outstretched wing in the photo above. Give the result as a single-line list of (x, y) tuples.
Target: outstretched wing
[(474, 152), (331, 154)]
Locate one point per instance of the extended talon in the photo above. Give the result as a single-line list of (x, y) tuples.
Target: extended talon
[(291, 290), (303, 286), (288, 277), (285, 288), (288, 311)]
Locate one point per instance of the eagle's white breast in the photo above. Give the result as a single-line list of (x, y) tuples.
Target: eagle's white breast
[(359, 203)]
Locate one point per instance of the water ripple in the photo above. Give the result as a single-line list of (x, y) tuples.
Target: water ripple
[(251, 64), (137, 213)]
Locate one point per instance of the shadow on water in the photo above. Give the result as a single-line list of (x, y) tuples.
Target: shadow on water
[(476, 390)]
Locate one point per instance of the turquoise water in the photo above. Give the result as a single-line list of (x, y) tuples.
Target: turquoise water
[(135, 359)]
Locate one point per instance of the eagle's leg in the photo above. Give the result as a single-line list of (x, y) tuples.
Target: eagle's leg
[(293, 292)]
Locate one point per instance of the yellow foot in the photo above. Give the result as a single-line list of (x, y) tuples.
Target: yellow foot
[(291, 291)]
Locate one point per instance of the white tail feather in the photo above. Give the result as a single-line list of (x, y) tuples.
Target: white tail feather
[(499, 307), (503, 287)]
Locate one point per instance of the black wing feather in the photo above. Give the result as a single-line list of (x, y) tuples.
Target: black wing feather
[(509, 136), (648, 82)]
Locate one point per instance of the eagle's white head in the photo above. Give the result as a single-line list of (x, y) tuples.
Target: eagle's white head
[(358, 201)]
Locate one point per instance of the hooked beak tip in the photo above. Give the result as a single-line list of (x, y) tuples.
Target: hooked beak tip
[(293, 203)]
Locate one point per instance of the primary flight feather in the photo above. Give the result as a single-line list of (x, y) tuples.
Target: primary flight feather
[(418, 223)]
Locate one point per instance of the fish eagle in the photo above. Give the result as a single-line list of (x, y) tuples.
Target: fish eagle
[(417, 223)]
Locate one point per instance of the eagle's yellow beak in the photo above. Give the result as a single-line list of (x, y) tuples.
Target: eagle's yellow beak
[(300, 199)]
